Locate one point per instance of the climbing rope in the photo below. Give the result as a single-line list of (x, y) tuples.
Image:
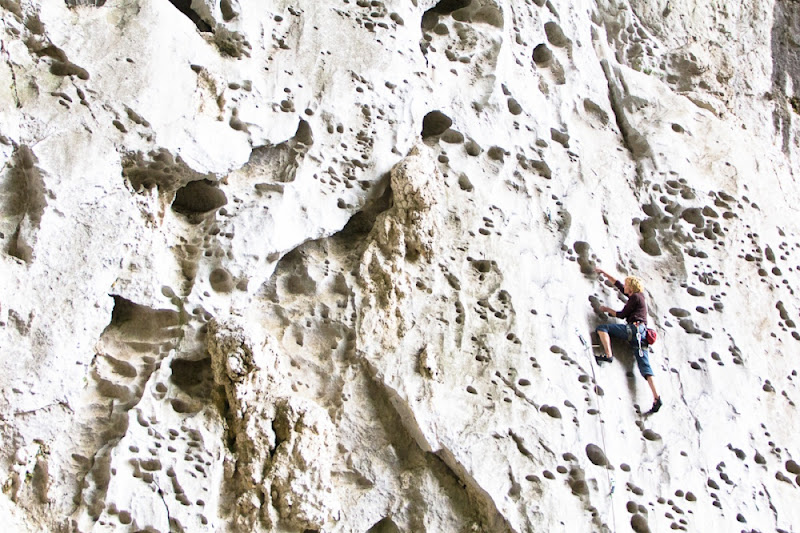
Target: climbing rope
[(587, 348)]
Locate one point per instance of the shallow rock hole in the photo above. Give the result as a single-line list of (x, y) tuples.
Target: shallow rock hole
[(198, 197)]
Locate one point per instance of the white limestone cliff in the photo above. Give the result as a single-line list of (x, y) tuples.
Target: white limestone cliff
[(329, 266)]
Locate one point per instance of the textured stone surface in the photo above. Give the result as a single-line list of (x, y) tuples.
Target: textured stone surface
[(329, 266)]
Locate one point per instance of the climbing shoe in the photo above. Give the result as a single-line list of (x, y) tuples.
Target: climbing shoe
[(603, 359), (656, 406)]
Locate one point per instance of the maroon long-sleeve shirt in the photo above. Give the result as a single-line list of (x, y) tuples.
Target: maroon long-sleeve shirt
[(635, 309)]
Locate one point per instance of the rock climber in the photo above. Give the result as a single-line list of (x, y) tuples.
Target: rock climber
[(635, 314)]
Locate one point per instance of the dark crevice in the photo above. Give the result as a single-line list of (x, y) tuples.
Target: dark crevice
[(635, 142), (137, 321), (462, 11), (384, 526), (362, 222), (445, 7), (195, 378), (430, 19), (185, 7)]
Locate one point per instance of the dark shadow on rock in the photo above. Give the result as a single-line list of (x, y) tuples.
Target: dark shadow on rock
[(785, 66)]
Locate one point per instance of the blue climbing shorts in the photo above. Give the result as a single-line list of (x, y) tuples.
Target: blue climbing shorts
[(635, 337)]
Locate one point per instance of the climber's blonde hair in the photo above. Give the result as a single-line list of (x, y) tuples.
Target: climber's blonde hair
[(635, 284)]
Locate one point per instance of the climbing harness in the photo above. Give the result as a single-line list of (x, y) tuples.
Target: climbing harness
[(611, 482)]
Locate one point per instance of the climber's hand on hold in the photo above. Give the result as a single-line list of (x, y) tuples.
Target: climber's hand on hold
[(608, 310), (611, 278)]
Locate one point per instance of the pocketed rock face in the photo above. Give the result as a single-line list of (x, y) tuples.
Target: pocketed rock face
[(330, 266), (417, 186), (282, 447), (300, 469), (401, 237)]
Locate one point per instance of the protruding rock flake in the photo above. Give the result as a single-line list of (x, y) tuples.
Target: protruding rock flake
[(332, 266)]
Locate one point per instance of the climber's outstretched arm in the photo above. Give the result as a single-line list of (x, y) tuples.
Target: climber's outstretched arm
[(611, 278)]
